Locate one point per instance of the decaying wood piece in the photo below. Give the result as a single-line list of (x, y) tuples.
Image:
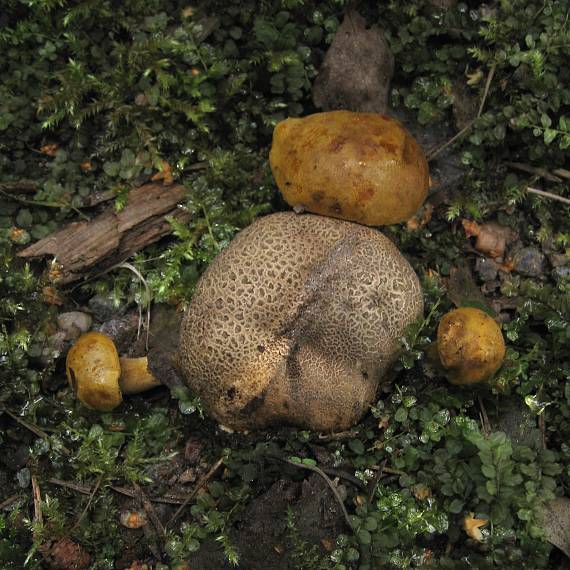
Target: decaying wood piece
[(19, 187), (83, 248)]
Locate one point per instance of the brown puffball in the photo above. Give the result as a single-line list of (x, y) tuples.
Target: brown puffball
[(362, 167), (470, 346), (296, 322)]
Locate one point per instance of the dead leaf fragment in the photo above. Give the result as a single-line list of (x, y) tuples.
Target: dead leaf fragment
[(51, 296), (557, 523), (279, 549), (164, 174), (136, 565), (463, 290), (86, 166), (421, 491), (492, 238), (49, 149), (422, 217), (65, 554), (472, 525), (328, 544)]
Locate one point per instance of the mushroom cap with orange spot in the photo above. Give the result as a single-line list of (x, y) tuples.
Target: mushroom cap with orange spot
[(470, 346), (362, 167)]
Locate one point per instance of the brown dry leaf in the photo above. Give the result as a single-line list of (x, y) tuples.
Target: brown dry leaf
[(86, 166), (65, 554), (164, 174), (136, 565), (471, 527), (422, 217), (421, 491), (492, 238), (384, 422), (557, 523), (471, 228), (51, 296), (50, 149), (328, 544), (462, 289)]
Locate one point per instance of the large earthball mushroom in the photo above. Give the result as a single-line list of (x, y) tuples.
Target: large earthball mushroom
[(296, 322), (363, 167)]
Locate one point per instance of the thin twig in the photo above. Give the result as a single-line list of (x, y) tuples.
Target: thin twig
[(438, 150), (9, 501), (34, 429), (562, 172), (198, 166), (338, 436), (344, 475), (194, 492), (373, 485), (331, 485), (132, 268), (38, 516), (486, 424), (86, 490), (486, 90), (43, 204), (542, 172), (168, 500), (149, 509), (548, 195), (83, 489), (542, 427), (86, 509), (19, 186), (392, 471)]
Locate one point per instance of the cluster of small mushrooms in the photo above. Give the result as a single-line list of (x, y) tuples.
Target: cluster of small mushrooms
[(299, 318)]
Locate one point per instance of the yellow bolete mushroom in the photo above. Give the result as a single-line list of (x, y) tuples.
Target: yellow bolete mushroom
[(470, 346), (99, 377), (362, 167)]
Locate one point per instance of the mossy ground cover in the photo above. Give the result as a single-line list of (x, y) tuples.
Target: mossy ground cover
[(102, 96)]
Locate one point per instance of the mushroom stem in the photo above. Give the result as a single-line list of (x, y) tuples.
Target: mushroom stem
[(135, 375)]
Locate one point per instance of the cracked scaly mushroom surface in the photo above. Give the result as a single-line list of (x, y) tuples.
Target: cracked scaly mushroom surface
[(296, 322)]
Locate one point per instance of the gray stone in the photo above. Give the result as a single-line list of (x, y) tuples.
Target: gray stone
[(104, 308), (530, 261), (486, 268), (74, 323), (560, 273)]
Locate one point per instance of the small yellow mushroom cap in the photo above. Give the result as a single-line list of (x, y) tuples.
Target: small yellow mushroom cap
[(93, 370), (470, 346)]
